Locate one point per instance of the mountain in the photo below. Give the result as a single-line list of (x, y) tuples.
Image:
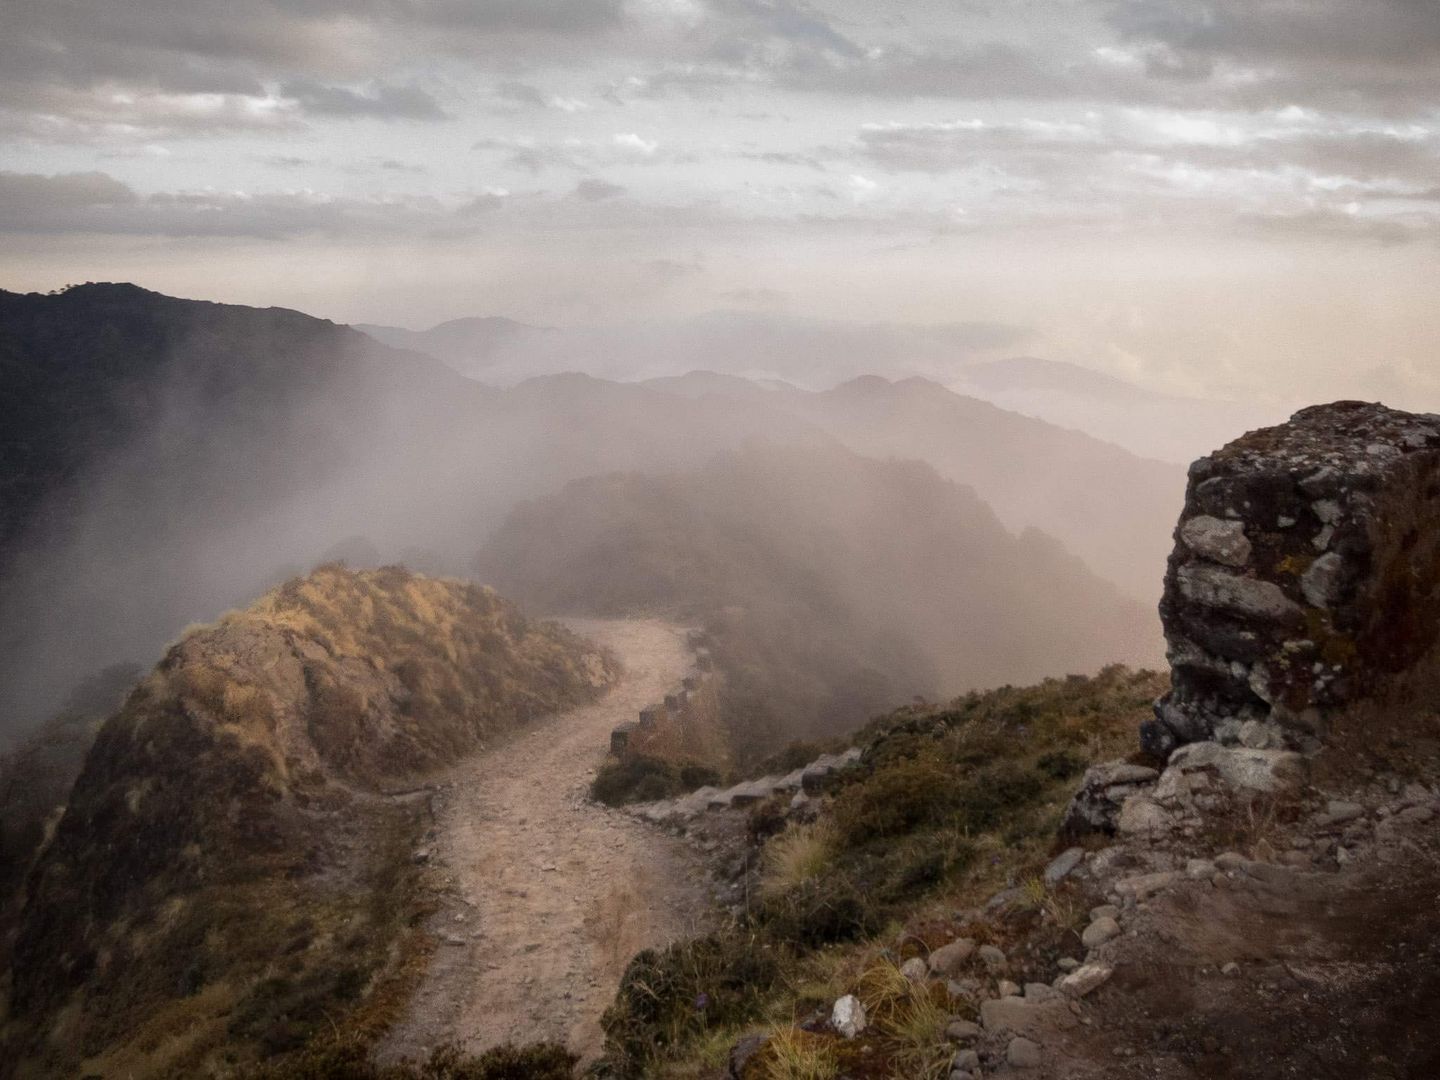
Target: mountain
[(164, 458), (1162, 426), (1113, 509), (468, 345), (229, 875), (805, 351), (169, 458), (830, 584)]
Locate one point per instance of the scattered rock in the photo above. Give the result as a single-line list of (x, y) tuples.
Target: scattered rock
[(1103, 790), (915, 969), (966, 1059), (1005, 988), (1040, 992), (1143, 886), (949, 960), (1063, 865), (1023, 1053), (962, 1031), (1099, 932), (1084, 979), (848, 1016), (992, 958)]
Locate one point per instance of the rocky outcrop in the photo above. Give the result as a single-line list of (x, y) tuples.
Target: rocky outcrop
[(1304, 578)]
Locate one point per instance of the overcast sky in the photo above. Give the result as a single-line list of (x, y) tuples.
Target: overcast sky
[(1209, 196)]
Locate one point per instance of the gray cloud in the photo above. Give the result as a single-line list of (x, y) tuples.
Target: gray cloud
[(99, 204), (1330, 224), (1354, 54), (378, 101), (594, 190)]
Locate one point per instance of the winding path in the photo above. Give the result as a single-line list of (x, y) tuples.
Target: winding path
[(551, 894)]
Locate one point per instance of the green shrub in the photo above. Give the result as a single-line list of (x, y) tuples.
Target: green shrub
[(894, 800), (640, 778), (1061, 764), (668, 997), (819, 912)]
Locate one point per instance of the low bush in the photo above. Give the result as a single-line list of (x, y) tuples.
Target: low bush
[(640, 778), (671, 996)]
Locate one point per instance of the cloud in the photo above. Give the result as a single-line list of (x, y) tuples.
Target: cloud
[(378, 101), (1332, 224), (64, 62), (629, 140), (593, 190), (34, 198), (95, 203), (1350, 54)]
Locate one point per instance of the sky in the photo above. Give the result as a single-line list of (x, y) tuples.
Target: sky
[(1226, 198)]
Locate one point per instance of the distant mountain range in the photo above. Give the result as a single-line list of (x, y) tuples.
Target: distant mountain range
[(775, 349), (166, 459)]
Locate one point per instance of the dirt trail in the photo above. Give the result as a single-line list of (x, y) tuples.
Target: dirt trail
[(551, 894)]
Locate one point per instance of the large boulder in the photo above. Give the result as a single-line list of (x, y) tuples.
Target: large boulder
[(1305, 578)]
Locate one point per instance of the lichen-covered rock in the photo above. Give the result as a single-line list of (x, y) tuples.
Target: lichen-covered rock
[(1305, 577)]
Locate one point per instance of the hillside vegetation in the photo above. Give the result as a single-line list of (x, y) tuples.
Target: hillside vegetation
[(229, 876), (951, 802), (830, 586)]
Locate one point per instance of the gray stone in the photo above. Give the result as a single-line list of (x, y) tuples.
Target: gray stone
[(949, 960), (962, 1031), (848, 1016), (1067, 963), (1217, 540), (1085, 979), (1099, 932), (1140, 816), (1143, 886), (1212, 587), (1063, 865), (1265, 771), (992, 958), (1323, 581), (1040, 992), (1104, 911), (1005, 988), (1199, 869), (1023, 1053), (965, 1059), (1260, 735), (915, 969)]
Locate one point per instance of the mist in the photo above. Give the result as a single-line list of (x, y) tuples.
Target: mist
[(253, 444)]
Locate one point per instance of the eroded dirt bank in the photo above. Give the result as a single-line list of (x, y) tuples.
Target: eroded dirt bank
[(549, 894)]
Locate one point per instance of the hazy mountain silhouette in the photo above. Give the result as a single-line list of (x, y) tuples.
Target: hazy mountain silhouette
[(831, 583)]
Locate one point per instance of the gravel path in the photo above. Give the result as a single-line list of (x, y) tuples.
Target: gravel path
[(552, 894)]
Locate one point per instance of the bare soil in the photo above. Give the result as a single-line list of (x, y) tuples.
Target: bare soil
[(548, 895)]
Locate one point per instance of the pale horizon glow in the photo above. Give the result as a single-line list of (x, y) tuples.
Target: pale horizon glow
[(1220, 198)]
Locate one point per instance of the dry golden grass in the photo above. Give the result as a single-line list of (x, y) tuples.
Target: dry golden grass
[(797, 855), (792, 1054), (237, 834)]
